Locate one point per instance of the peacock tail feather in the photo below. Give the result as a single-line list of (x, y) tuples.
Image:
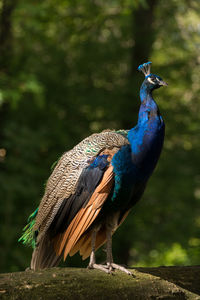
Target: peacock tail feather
[(29, 235)]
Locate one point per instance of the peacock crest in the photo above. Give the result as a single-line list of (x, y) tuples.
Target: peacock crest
[(145, 68)]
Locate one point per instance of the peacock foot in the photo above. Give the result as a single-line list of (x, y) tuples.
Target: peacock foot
[(109, 268), (112, 267), (118, 267), (100, 267)]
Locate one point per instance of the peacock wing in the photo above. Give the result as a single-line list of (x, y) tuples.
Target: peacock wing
[(64, 179)]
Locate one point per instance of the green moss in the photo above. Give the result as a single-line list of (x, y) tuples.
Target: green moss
[(69, 283)]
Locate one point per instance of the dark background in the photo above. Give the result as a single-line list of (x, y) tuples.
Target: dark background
[(69, 68)]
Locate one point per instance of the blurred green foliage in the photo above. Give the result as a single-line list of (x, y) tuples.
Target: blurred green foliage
[(68, 69)]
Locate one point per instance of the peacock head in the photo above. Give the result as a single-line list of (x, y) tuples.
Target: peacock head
[(151, 81)]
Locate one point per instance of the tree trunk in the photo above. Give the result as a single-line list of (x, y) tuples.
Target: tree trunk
[(7, 10), (68, 283), (143, 36), (6, 38), (6, 48)]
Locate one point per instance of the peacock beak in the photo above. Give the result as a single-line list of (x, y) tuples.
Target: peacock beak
[(161, 82)]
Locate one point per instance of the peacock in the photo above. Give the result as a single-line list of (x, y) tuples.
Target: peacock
[(93, 187)]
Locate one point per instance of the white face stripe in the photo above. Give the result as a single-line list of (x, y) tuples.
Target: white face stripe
[(151, 81)]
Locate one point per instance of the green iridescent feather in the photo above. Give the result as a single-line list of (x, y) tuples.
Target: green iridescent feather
[(123, 132), (29, 236)]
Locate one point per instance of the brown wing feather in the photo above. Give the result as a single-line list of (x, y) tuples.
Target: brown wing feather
[(86, 238), (86, 216)]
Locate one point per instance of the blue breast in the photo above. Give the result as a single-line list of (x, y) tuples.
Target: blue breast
[(146, 141), (133, 164)]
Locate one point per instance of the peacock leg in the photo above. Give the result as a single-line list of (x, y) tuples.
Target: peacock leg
[(92, 263), (109, 248), (110, 265)]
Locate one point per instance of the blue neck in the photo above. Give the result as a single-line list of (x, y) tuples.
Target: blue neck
[(149, 122), (148, 104), (146, 96), (145, 93)]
